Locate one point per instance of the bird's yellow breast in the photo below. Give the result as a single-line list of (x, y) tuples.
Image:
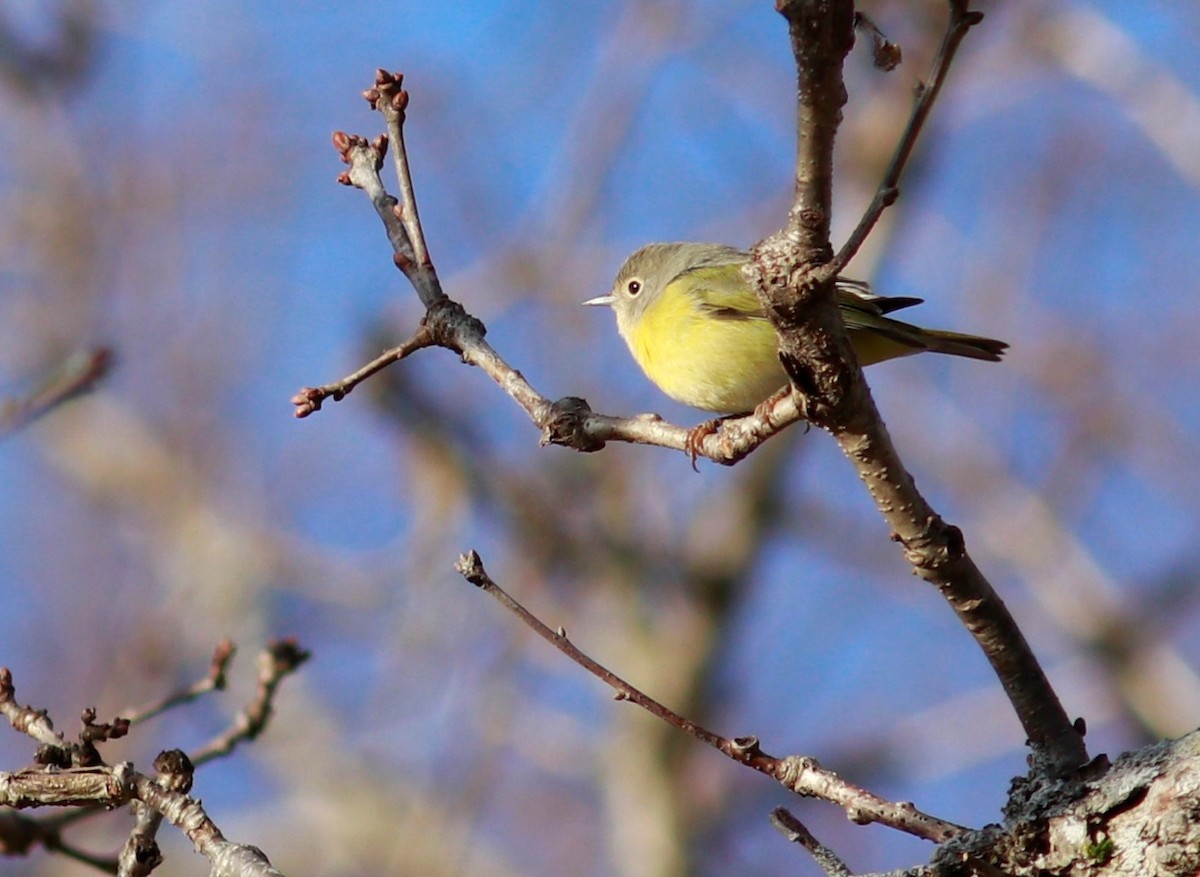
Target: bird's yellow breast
[(716, 363)]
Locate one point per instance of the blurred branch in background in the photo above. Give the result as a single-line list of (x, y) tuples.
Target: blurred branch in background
[(33, 67), (78, 374)]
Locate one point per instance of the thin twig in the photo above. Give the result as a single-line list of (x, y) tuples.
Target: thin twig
[(961, 20), (799, 774), (797, 832), (27, 720), (99, 787), (390, 99), (78, 374), (309, 399), (569, 421), (275, 663), (393, 113), (213, 680)]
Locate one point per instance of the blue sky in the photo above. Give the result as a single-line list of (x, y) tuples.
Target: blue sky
[(191, 174)]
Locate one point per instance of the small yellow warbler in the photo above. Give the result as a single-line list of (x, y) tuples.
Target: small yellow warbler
[(696, 328)]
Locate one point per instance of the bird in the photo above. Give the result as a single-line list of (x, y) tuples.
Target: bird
[(696, 328)]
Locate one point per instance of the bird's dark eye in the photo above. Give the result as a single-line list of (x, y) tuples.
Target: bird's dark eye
[(634, 287)]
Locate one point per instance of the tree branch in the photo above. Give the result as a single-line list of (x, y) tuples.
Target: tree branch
[(214, 680), (793, 271), (800, 774), (568, 421), (797, 832), (961, 20), (794, 274), (73, 775), (78, 374)]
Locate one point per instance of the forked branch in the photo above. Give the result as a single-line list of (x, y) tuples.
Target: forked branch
[(568, 421), (794, 273)]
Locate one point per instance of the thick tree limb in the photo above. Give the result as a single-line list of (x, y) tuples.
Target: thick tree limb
[(794, 272)]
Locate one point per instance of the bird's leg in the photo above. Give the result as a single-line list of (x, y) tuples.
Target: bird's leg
[(764, 408), (697, 434)]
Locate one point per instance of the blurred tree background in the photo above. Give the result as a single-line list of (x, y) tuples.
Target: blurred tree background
[(167, 188)]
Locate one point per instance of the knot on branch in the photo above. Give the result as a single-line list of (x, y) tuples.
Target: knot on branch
[(449, 324), (565, 423), (937, 545), (175, 770), (789, 277), (811, 218), (790, 771), (745, 748)]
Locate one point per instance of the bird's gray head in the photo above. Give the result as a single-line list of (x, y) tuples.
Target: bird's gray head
[(647, 272)]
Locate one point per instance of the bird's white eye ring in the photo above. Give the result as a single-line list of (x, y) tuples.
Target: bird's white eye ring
[(634, 286)]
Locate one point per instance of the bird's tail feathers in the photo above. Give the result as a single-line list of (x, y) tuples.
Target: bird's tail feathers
[(961, 344)]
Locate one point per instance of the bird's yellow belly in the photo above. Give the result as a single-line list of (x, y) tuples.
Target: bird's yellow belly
[(724, 365)]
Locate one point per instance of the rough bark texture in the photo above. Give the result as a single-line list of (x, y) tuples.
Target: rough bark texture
[(1140, 819)]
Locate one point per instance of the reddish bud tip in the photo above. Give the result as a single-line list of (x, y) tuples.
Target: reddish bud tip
[(306, 401), (341, 141)]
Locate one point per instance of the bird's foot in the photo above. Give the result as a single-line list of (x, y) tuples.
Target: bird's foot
[(698, 433)]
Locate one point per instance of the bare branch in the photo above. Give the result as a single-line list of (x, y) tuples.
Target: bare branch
[(801, 775), (961, 20), (793, 274), (77, 374), (309, 399), (94, 788), (27, 720), (796, 831), (569, 421), (214, 680), (187, 814), (391, 100), (279, 660), (140, 855), (67, 787), (793, 271)]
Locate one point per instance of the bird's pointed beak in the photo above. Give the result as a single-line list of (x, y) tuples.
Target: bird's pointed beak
[(601, 300)]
